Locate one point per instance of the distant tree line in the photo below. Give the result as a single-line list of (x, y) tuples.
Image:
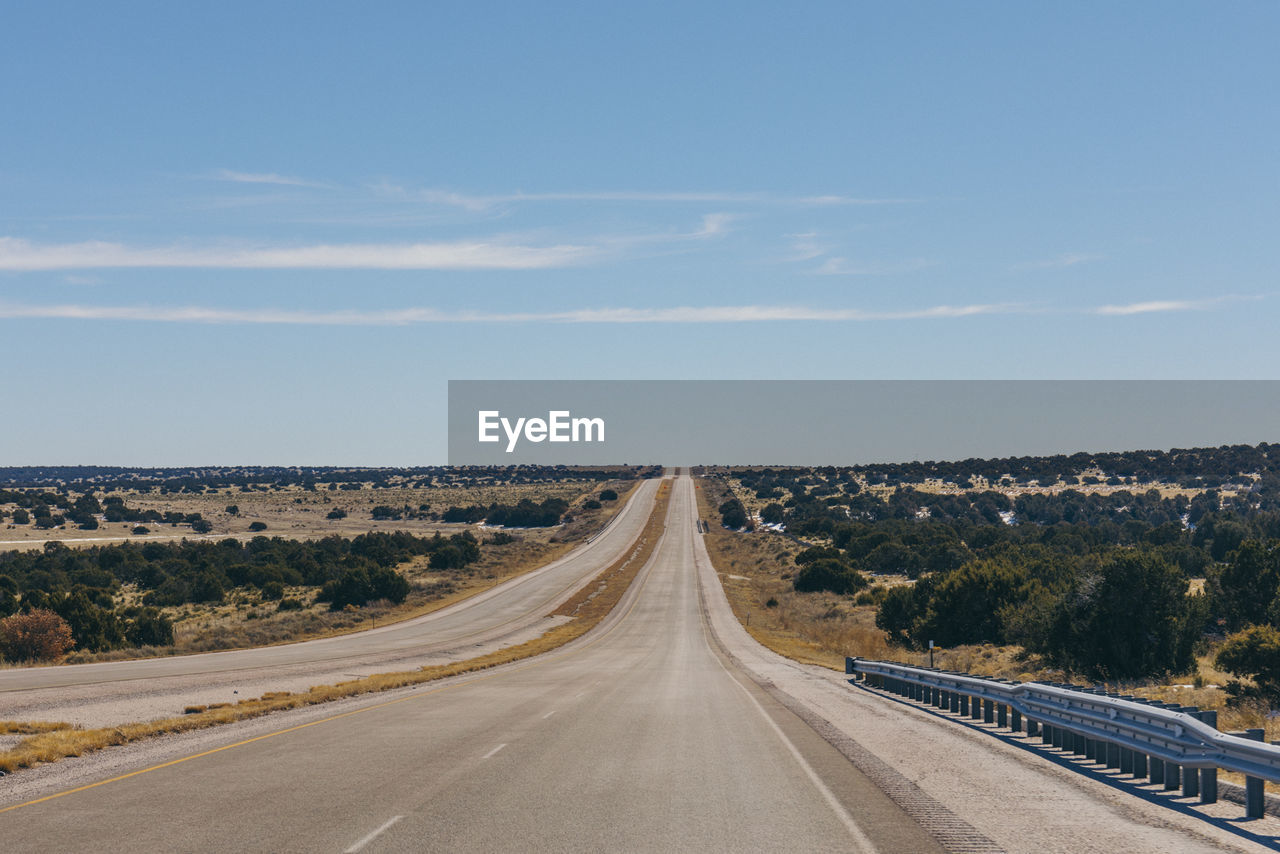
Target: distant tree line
[(1190, 467), (248, 478), (524, 514)]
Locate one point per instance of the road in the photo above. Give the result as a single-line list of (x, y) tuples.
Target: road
[(664, 729), (108, 693), (637, 737)]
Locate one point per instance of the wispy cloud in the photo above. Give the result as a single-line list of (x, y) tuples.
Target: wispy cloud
[(714, 225), (806, 247), (267, 178), (477, 203), (1061, 262), (423, 315), (17, 254), (836, 266), (1157, 306)]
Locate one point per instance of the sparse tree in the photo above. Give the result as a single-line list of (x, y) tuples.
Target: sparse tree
[(39, 635)]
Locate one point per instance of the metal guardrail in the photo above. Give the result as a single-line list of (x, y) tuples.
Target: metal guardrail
[(1168, 744)]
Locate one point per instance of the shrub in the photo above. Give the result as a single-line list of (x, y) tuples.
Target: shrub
[(39, 635), (140, 530), (355, 587), (608, 495), (772, 514), (273, 590), (830, 575), (289, 605), (257, 526), (149, 627), (733, 515), (336, 513), (1255, 653)]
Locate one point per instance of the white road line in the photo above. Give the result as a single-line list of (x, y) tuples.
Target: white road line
[(495, 750), (855, 832), (548, 714), (372, 836)]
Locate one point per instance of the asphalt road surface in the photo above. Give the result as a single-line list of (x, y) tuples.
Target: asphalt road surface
[(639, 736)]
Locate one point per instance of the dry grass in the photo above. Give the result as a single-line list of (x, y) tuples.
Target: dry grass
[(586, 609), (30, 727), (756, 568)]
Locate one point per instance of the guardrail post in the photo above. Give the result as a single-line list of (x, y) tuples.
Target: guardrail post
[(1191, 776), (1140, 764), (848, 667), (1209, 776), (1015, 720), (1157, 771), (1254, 793), (964, 705), (1113, 755), (1126, 760), (1002, 715), (1081, 746), (975, 708), (988, 712), (1033, 728), (955, 702)]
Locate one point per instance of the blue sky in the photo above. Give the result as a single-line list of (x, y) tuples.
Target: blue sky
[(270, 233)]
